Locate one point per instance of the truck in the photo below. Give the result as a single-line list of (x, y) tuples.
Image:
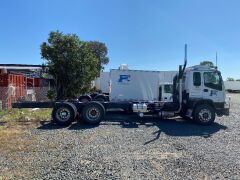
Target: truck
[(232, 86), (197, 93)]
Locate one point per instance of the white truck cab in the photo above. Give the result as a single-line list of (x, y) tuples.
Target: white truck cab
[(203, 86), (204, 82)]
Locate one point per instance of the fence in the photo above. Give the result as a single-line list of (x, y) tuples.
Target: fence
[(11, 94)]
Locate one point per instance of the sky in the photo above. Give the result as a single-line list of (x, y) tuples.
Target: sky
[(145, 34)]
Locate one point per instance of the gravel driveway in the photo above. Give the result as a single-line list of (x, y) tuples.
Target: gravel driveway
[(124, 147)]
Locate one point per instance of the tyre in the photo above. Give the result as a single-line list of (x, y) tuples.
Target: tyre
[(93, 113), (74, 108), (84, 99), (204, 114), (63, 114), (99, 98)]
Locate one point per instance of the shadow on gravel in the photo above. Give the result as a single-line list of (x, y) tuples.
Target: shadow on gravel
[(49, 126), (171, 127), (82, 126), (74, 126), (179, 127)]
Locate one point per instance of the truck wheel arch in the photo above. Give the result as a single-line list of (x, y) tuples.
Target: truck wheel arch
[(203, 101)]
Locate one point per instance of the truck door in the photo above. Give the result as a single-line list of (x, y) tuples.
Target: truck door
[(196, 85), (213, 86)]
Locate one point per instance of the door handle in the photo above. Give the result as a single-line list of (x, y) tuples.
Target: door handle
[(205, 90)]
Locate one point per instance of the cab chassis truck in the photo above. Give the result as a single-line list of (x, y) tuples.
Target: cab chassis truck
[(198, 94)]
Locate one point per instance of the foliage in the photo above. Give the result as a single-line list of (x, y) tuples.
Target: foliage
[(51, 94), (237, 79), (207, 63), (74, 64), (230, 79), (100, 51)]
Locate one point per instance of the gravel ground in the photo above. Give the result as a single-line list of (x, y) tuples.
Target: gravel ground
[(124, 147)]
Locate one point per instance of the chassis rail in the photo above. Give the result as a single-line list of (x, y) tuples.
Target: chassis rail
[(49, 104)]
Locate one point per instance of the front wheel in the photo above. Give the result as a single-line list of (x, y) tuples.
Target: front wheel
[(204, 114)]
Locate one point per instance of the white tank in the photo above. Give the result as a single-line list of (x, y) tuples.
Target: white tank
[(123, 67), (140, 107)]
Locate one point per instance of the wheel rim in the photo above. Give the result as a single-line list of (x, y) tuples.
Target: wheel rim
[(93, 113), (205, 115), (63, 114)]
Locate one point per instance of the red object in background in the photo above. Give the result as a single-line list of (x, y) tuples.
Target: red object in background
[(11, 83), (32, 82), (13, 86), (16, 80)]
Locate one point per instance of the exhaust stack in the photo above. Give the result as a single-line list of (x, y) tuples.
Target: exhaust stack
[(181, 71)]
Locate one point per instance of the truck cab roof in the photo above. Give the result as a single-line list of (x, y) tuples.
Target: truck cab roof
[(201, 68)]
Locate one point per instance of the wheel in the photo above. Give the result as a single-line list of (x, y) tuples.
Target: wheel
[(204, 114), (93, 113), (99, 98), (63, 114), (84, 99), (74, 108)]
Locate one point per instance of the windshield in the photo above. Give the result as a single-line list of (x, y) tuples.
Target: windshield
[(213, 80), (168, 88)]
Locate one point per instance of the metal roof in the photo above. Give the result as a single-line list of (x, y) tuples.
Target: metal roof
[(20, 66)]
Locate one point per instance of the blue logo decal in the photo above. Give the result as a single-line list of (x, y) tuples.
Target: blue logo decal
[(124, 78), (213, 93)]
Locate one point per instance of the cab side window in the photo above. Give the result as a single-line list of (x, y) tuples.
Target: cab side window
[(196, 79)]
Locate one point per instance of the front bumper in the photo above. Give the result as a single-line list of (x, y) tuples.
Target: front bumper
[(226, 109), (223, 112)]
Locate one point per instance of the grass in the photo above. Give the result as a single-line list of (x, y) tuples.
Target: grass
[(25, 115), (14, 130), (15, 123)]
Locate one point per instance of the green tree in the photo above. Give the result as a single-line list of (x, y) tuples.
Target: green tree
[(100, 51), (71, 62), (237, 79), (207, 63), (230, 79)]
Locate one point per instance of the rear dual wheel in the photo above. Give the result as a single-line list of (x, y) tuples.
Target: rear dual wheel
[(64, 113), (93, 112)]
